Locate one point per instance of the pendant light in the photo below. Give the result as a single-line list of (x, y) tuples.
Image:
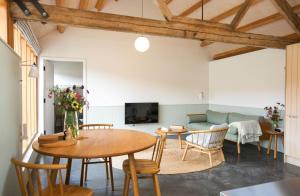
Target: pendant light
[(142, 43)]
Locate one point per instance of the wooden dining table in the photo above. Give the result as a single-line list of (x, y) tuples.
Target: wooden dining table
[(101, 143)]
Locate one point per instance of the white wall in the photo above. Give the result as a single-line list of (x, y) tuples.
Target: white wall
[(255, 79), (172, 71), (10, 118), (67, 73)]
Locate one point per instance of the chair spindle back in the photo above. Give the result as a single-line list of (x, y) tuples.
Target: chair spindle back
[(159, 148), (95, 126), (33, 171)]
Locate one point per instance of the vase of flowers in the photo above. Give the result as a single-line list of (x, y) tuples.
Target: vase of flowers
[(274, 113), (71, 102)]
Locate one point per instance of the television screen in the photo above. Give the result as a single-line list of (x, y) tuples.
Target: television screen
[(136, 113)]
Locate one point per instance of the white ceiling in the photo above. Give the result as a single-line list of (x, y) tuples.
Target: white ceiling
[(211, 9)]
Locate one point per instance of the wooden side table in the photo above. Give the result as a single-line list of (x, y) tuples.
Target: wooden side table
[(276, 135), (171, 131)]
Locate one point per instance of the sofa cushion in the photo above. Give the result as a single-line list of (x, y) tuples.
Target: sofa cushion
[(216, 117), (236, 117), (233, 130), (231, 137), (199, 126), (196, 118)]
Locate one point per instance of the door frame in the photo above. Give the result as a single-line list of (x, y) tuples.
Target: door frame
[(41, 86)]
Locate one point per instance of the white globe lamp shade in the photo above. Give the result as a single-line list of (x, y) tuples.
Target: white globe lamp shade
[(141, 44)]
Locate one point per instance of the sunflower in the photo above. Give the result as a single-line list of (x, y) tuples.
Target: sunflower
[(75, 105)]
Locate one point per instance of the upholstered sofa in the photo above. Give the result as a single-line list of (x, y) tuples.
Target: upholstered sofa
[(205, 121)]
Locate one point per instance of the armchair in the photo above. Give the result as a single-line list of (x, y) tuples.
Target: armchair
[(207, 141)]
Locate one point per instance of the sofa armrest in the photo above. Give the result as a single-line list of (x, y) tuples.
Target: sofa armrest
[(196, 118)]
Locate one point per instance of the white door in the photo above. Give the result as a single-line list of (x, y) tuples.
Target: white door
[(48, 103)]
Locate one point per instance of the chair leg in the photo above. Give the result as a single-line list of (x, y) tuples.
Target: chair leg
[(86, 170), (210, 159), (111, 174), (185, 151), (106, 168), (126, 184), (82, 172), (156, 185), (238, 148), (270, 143), (222, 155)]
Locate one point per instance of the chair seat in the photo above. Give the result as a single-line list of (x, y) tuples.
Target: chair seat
[(142, 166), (68, 190)]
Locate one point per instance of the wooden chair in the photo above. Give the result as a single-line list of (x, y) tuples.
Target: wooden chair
[(32, 171), (146, 168), (107, 160), (207, 141)]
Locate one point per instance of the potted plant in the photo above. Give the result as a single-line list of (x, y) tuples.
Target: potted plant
[(274, 113), (71, 102)]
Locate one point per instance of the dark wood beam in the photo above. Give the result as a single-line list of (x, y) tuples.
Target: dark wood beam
[(191, 29)]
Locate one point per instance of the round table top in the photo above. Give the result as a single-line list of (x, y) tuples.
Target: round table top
[(273, 132), (170, 131), (101, 143)]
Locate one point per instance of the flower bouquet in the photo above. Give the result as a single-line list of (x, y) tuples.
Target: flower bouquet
[(274, 113), (69, 101)]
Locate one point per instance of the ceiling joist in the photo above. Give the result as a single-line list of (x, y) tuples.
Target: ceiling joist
[(193, 8), (83, 4), (287, 12), (244, 50), (241, 13), (60, 28), (258, 23), (100, 4), (199, 31)]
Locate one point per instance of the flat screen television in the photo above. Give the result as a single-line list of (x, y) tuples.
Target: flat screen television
[(138, 113)]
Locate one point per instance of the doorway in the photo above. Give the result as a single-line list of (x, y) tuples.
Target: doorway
[(62, 74)]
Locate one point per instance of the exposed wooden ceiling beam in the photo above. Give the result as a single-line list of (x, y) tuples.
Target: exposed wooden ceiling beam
[(202, 31), (100, 4), (60, 28), (258, 23), (266, 20), (287, 12), (244, 50), (193, 8), (83, 4), (241, 13), (227, 14), (163, 6), (230, 12), (169, 1), (236, 52)]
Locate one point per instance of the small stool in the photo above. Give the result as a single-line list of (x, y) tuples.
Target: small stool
[(276, 134)]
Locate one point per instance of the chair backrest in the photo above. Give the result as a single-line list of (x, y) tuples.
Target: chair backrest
[(95, 126), (213, 138), (159, 148), (28, 171)]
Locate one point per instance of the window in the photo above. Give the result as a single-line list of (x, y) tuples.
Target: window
[(29, 90), (6, 23)]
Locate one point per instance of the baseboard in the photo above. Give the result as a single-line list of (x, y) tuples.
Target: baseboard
[(292, 160)]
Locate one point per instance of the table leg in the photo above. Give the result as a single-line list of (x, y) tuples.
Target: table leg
[(275, 147), (135, 185), (54, 172), (270, 143), (68, 174), (179, 140)]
